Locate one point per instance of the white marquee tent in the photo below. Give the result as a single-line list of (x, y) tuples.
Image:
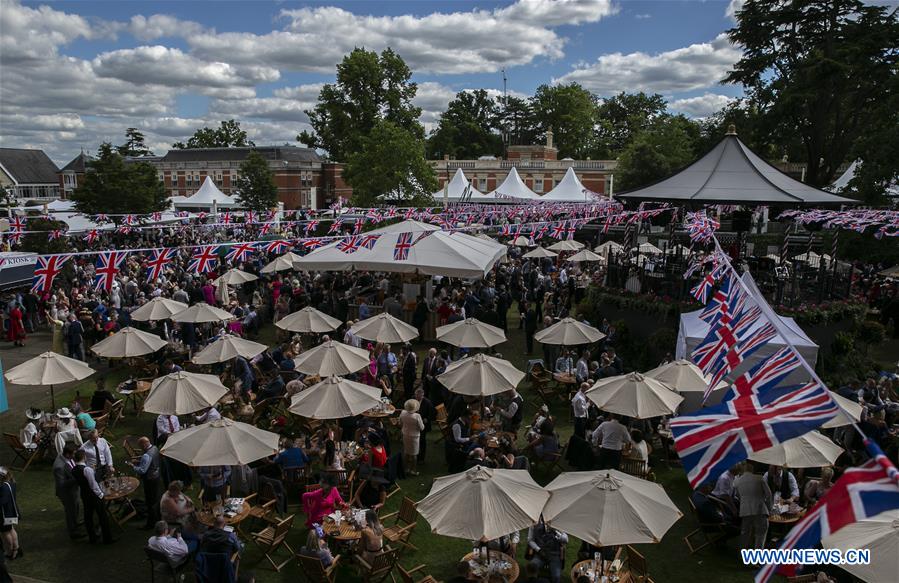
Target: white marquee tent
[(456, 188), (207, 196), (513, 187), (570, 189)]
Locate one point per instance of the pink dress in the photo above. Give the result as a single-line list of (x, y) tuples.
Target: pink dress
[(316, 505)]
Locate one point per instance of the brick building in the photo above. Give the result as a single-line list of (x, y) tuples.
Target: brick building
[(71, 174)]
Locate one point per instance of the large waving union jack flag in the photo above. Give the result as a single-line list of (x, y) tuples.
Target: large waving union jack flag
[(401, 249), (723, 335), (156, 265), (738, 353), (860, 493), (48, 267), (755, 414), (278, 246), (368, 241), (108, 264), (350, 244), (240, 252), (204, 260)]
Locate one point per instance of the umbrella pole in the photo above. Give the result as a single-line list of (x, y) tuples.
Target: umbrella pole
[(52, 398)]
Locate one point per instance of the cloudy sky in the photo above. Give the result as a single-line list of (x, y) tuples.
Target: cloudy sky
[(77, 73)]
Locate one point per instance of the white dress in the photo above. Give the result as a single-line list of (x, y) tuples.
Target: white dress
[(412, 426)]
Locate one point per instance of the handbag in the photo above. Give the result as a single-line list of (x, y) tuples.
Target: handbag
[(11, 520)]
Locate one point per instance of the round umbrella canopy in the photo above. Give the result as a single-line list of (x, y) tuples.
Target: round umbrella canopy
[(812, 450), (471, 333), (331, 359), (384, 328), (634, 395), (539, 253), (481, 375), (236, 277), (569, 332), (521, 241), (158, 309), (879, 535), (609, 247), (227, 347), (281, 263), (482, 503), (128, 342), (202, 312), (683, 376), (678, 249), (648, 248), (48, 368), (335, 398), (222, 442), (609, 507), (180, 393), (586, 255), (850, 412), (308, 320), (566, 245)]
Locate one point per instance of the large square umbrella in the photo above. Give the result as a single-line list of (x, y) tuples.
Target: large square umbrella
[(539, 253), (281, 263), (879, 535), (51, 369), (566, 245), (683, 376), (811, 450)]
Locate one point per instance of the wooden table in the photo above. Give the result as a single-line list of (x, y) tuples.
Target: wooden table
[(509, 574), (139, 393), (493, 441), (117, 496), (379, 413), (346, 531), (787, 518), (588, 568), (207, 517)]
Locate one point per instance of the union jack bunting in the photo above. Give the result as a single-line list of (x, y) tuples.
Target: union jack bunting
[(357, 226), (374, 215), (572, 227), (408, 214), (249, 217), (91, 236), (727, 300), (277, 247), (391, 212), (755, 414), (723, 335), (202, 216), (558, 230), (240, 252), (54, 234), (700, 227), (335, 226), (368, 241), (204, 260), (702, 290), (48, 267), (505, 230), (737, 354), (401, 249), (129, 220), (312, 244), (225, 218), (108, 264), (310, 226), (101, 218), (544, 227), (156, 265), (123, 229), (860, 493), (350, 244), (17, 223), (265, 228), (156, 216)]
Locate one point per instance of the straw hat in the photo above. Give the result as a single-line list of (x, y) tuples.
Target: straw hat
[(33, 414), (64, 413), (411, 405)]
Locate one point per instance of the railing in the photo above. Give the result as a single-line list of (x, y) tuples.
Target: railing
[(504, 165)]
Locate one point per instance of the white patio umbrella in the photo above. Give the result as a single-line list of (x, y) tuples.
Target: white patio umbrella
[(471, 333), (331, 358), (586, 255), (674, 250), (222, 442), (634, 395), (880, 536), (384, 328), (158, 309), (521, 241), (128, 342), (539, 253), (308, 320), (281, 263), (569, 332), (480, 375), (335, 398), (811, 450), (683, 376), (202, 312), (482, 503), (235, 276), (609, 507), (566, 245), (609, 247), (48, 368), (850, 412), (648, 248), (180, 393), (227, 347)]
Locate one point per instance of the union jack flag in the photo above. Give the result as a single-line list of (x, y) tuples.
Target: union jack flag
[(108, 264), (156, 264), (54, 234), (505, 230), (225, 218), (723, 335), (702, 289), (123, 229), (401, 249), (48, 267), (17, 223), (374, 215), (391, 212), (544, 227), (408, 214), (755, 414), (265, 228), (249, 217), (101, 218), (357, 226), (157, 216), (312, 244), (368, 241), (558, 230), (335, 226), (201, 216), (204, 260), (277, 247), (240, 252), (572, 227), (350, 244), (310, 226), (129, 220), (737, 354), (700, 227), (91, 236)]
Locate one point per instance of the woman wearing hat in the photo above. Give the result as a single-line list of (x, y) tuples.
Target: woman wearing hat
[(16, 331), (10, 511), (412, 425)]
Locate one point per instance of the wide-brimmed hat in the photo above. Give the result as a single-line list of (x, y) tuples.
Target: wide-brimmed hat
[(411, 405), (33, 414), (64, 413)]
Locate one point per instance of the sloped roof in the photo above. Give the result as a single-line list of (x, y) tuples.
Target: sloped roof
[(287, 153), (570, 189), (841, 184), (457, 187), (78, 164), (29, 166), (206, 195), (513, 187), (733, 174)]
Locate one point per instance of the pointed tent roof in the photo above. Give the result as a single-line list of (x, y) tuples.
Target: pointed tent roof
[(732, 173), (570, 189), (512, 187), (457, 187), (206, 195), (841, 184)]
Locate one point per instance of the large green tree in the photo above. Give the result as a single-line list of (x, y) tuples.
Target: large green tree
[(389, 161), (135, 144), (570, 111), (820, 70), (468, 128), (227, 135), (370, 88), (256, 186), (516, 121), (623, 116), (667, 145), (112, 186)]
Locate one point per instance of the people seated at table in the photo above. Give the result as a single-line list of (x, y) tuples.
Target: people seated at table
[(639, 448), (513, 413), (101, 396), (317, 547), (321, 502), (275, 388), (372, 489), (213, 480), (292, 456), (815, 489), (372, 542), (724, 489), (711, 512), (174, 505), (30, 435), (169, 542), (507, 543), (546, 547), (782, 484), (564, 364), (65, 421), (478, 457), (220, 539), (83, 418), (545, 445)]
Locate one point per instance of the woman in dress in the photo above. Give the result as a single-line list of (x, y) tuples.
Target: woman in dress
[(174, 505), (10, 515), (319, 503), (16, 332), (411, 425), (639, 449), (372, 537)]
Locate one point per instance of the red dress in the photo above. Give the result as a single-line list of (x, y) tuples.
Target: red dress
[(16, 332)]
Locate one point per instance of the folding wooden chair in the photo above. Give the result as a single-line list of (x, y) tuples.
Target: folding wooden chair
[(272, 538), (102, 426), (313, 571), (344, 480), (441, 420), (264, 509), (707, 534), (27, 455), (132, 449), (116, 412), (637, 468), (380, 568), (550, 461), (636, 565), (406, 576), (404, 522)]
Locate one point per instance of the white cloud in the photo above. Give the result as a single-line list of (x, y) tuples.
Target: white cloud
[(33, 34), (700, 106), (148, 28), (733, 7), (697, 66), (287, 104)]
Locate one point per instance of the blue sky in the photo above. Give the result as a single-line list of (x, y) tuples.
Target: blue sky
[(79, 72)]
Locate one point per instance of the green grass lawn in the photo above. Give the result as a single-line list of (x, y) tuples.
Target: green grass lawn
[(50, 556)]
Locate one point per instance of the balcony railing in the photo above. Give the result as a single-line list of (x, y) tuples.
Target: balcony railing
[(505, 165)]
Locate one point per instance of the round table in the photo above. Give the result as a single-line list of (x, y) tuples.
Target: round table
[(786, 517), (207, 517), (117, 496), (380, 413), (346, 531), (510, 573), (565, 378), (493, 441), (588, 568)]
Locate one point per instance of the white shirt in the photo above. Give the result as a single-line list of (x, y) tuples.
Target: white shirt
[(29, 432), (174, 549), (611, 435), (90, 453), (724, 486), (211, 415), (582, 371), (512, 409), (580, 405), (162, 424), (92, 480)]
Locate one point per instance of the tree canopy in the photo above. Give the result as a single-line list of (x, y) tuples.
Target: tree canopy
[(112, 186), (134, 145), (256, 189), (227, 135), (570, 112), (667, 145), (468, 128)]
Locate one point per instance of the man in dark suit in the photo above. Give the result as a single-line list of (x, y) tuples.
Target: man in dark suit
[(530, 327), (67, 488), (428, 373), (428, 415), (409, 362)]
